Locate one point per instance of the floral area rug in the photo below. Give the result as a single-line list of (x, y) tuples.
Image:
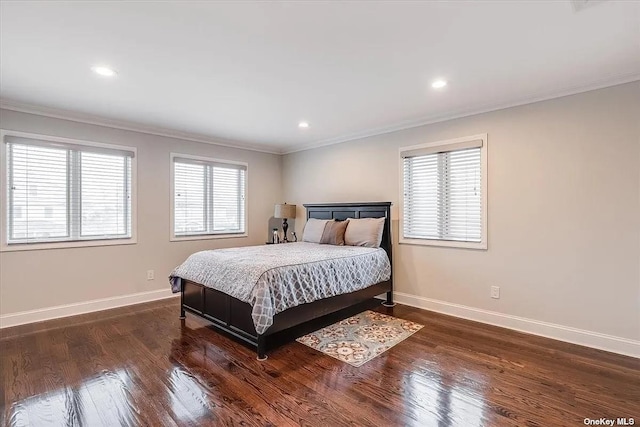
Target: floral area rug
[(360, 338)]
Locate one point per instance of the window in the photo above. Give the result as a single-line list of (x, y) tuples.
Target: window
[(444, 197), (61, 191), (208, 198)]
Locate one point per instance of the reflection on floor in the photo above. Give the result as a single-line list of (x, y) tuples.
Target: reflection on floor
[(141, 365)]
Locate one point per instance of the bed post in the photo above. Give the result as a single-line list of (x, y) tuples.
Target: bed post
[(182, 313), (387, 244), (389, 302), (261, 348)]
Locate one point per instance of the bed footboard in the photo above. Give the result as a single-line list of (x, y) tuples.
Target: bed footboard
[(232, 316)]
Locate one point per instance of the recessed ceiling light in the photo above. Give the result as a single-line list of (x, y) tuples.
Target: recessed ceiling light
[(303, 125), (439, 84), (104, 71)]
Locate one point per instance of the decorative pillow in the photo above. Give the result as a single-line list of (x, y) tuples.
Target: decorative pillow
[(334, 232), (364, 232), (313, 230)]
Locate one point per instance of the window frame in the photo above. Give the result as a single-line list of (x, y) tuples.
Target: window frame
[(5, 246), (483, 244), (172, 234)]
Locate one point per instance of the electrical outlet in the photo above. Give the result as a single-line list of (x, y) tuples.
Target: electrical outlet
[(150, 275), (495, 292)]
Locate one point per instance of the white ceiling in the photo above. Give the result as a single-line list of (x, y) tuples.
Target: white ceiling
[(248, 72)]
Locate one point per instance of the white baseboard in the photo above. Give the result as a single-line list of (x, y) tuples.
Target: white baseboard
[(597, 340), (31, 316)]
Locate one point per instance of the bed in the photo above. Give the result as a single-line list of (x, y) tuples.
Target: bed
[(254, 324)]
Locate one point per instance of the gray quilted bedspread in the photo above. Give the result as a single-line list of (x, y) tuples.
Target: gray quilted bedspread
[(273, 278)]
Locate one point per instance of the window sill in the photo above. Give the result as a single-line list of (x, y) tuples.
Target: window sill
[(207, 237), (16, 247), (445, 243)]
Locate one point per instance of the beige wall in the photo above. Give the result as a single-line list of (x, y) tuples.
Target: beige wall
[(44, 278), (563, 200), (564, 213)]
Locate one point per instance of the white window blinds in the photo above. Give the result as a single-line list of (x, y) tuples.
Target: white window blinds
[(443, 193), (66, 192), (209, 197)]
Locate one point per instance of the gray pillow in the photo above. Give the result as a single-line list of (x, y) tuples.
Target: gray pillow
[(364, 232), (313, 230)]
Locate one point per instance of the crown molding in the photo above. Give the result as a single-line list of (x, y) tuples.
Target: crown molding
[(73, 116), (427, 120)]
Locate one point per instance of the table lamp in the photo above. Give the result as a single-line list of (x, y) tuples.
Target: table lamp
[(285, 211)]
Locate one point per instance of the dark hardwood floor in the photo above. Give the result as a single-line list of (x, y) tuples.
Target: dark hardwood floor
[(140, 365)]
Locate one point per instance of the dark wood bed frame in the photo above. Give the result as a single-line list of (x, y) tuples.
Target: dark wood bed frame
[(233, 316)]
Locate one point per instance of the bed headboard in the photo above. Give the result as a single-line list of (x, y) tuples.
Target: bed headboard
[(342, 211)]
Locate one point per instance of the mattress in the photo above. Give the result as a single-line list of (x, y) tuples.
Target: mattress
[(273, 278)]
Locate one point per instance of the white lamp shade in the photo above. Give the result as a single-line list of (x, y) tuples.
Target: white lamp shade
[(285, 211)]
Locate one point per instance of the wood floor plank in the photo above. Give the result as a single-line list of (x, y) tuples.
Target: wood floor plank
[(141, 365), (189, 396)]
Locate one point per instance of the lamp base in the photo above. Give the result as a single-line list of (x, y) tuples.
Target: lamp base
[(285, 227)]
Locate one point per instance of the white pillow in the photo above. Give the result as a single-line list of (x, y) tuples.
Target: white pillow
[(364, 232), (313, 230)]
